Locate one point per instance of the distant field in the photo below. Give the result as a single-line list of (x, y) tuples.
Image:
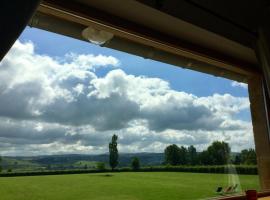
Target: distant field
[(119, 186)]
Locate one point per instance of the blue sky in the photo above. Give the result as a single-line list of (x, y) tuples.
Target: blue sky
[(197, 83), (74, 103)]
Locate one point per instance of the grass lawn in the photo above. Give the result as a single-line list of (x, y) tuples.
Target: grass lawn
[(119, 186)]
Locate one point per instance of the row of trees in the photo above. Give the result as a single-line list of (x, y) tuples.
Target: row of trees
[(218, 153), (175, 155), (247, 156)]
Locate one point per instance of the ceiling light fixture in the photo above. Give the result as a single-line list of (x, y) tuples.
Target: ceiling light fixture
[(96, 36)]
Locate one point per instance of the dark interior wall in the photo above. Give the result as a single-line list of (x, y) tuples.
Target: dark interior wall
[(14, 16), (236, 20), (242, 13)]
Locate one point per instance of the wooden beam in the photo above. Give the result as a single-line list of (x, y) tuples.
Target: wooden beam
[(92, 17), (74, 30), (260, 102), (260, 129), (263, 53)]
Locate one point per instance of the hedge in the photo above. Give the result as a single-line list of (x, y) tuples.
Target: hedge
[(227, 169)]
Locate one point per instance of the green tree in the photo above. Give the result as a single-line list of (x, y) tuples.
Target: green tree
[(113, 152), (237, 160), (101, 166), (192, 155), (204, 158), (135, 163), (172, 154), (219, 153), (183, 153), (248, 157), (15, 165), (0, 164)]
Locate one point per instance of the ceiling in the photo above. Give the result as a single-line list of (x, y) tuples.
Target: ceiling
[(237, 20), (221, 33)]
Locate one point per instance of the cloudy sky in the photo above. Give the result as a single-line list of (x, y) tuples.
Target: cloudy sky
[(60, 95)]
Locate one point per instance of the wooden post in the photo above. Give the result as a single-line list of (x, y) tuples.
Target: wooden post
[(260, 129), (259, 91)]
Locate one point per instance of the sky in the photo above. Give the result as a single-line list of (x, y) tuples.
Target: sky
[(60, 95)]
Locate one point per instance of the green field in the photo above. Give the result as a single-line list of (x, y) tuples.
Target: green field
[(119, 186)]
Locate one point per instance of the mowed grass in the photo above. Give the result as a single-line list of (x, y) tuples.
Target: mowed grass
[(119, 186)]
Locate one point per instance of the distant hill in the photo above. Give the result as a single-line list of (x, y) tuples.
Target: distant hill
[(75, 160), (124, 159), (78, 161)]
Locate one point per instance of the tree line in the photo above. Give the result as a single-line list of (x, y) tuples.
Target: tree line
[(218, 153)]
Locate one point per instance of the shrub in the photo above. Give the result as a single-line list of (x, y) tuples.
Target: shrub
[(101, 166), (135, 163), (125, 169), (239, 169)]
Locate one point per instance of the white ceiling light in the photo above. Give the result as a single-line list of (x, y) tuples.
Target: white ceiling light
[(96, 36)]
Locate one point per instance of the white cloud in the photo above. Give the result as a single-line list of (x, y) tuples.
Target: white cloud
[(40, 80), (165, 108), (53, 105), (238, 84)]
